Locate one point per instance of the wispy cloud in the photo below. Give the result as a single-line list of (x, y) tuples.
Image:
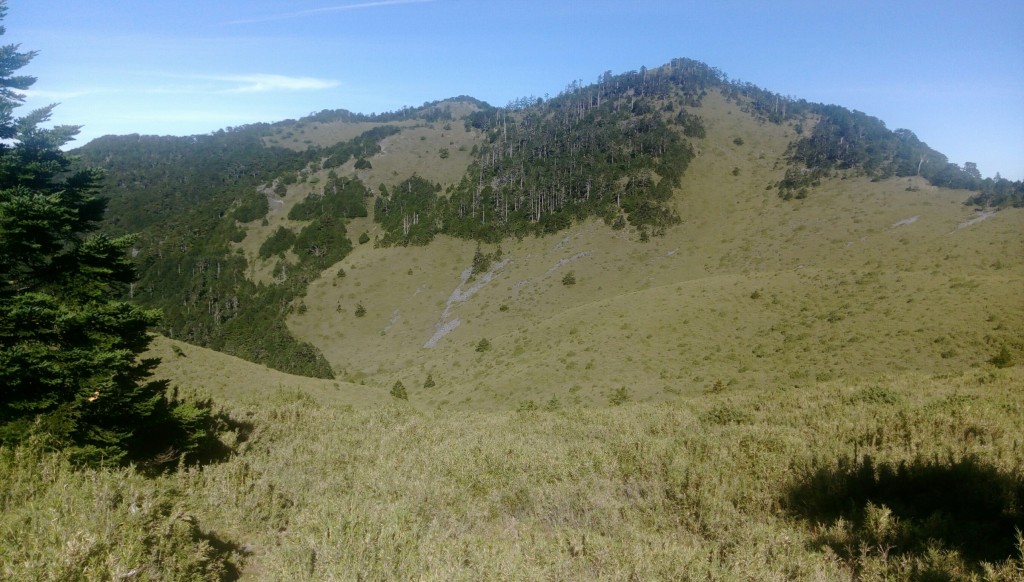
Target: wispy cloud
[(327, 9), (236, 83), (268, 83), (53, 95)]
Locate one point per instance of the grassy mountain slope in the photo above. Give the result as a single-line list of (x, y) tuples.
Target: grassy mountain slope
[(862, 278), (206, 206), (810, 388), (237, 225), (905, 477), (235, 381)]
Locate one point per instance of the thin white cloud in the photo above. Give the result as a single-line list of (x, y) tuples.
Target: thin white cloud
[(240, 83), (268, 83), (53, 95), (327, 9)]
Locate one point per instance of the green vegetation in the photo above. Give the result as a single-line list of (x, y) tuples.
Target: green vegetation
[(617, 150), (619, 396), (187, 268), (1004, 359), (103, 524), (604, 150), (398, 391), (278, 243), (70, 369), (763, 390), (814, 483), (482, 261), (340, 197), (845, 140), (406, 211)]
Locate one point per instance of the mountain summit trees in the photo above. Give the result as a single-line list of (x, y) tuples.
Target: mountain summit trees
[(69, 353)]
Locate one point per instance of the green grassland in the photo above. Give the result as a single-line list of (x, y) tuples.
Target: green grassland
[(860, 279), (906, 477), (807, 389)]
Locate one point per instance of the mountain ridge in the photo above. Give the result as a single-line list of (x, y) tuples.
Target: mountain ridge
[(750, 369), (483, 183)]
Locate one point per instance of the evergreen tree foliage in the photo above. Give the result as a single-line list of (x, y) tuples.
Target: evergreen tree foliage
[(186, 195), (398, 391), (851, 140), (69, 353), (615, 148), (278, 243)]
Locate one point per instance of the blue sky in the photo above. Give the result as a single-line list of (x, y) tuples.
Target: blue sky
[(952, 72)]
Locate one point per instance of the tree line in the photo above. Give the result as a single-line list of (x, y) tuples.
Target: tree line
[(186, 196), (615, 149), (844, 139)]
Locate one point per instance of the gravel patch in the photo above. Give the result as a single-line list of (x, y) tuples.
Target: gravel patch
[(443, 327), (905, 221)]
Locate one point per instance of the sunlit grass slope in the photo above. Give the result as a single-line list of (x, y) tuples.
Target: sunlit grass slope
[(231, 380), (774, 390), (906, 477), (860, 279)]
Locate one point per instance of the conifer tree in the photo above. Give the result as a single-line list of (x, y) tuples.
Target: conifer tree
[(70, 369), (398, 391)]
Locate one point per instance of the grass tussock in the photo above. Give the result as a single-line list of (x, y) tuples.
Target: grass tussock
[(63, 523), (910, 478)]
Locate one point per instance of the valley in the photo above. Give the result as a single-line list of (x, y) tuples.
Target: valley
[(665, 326)]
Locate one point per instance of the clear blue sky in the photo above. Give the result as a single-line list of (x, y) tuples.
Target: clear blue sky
[(953, 72)]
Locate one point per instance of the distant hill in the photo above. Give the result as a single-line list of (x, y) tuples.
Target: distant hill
[(736, 235)]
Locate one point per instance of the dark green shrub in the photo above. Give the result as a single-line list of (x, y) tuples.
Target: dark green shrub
[(619, 396), (1004, 359), (398, 391)]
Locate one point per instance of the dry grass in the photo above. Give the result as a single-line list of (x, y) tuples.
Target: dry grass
[(860, 279), (766, 485), (231, 380), (418, 151), (750, 397)]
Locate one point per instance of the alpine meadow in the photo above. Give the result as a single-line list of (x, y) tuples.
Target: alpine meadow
[(666, 325)]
